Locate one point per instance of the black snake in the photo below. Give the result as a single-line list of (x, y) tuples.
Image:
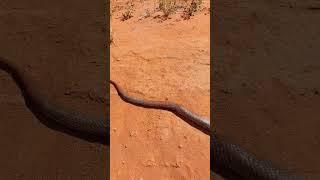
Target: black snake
[(228, 160), (71, 122)]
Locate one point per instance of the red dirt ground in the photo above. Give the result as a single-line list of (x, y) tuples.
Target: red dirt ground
[(266, 80), (63, 49), (159, 60)]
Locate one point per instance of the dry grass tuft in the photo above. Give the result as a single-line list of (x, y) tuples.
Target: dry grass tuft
[(128, 12), (168, 7), (191, 9)]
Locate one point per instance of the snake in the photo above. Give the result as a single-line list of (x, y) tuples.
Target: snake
[(228, 160), (191, 118), (72, 122)]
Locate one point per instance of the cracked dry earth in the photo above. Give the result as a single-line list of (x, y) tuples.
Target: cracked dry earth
[(159, 59)]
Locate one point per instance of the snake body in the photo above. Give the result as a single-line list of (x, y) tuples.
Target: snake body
[(233, 162), (76, 122), (190, 117), (229, 160)]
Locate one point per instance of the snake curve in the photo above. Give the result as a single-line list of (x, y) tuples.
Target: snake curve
[(200, 123), (228, 160), (75, 121)]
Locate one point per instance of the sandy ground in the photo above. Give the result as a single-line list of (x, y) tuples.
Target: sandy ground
[(159, 59), (266, 80), (62, 45)]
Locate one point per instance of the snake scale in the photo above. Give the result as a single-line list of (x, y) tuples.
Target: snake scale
[(228, 160)]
